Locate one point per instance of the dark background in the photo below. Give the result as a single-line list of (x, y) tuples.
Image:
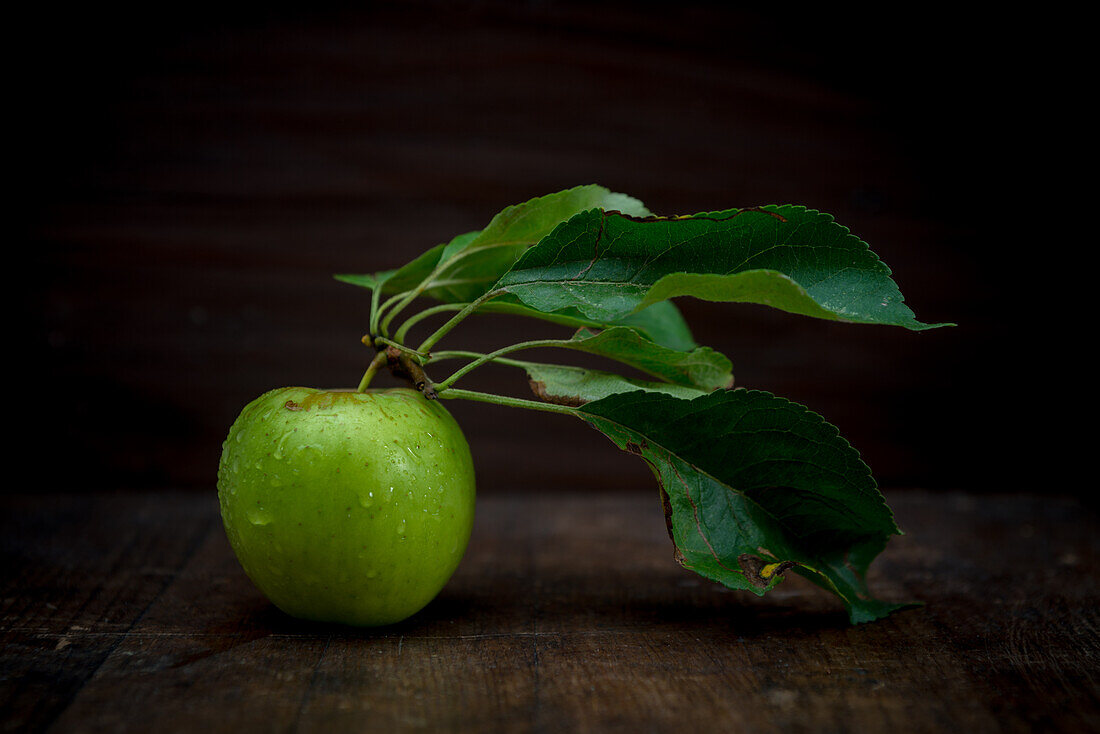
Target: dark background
[(195, 175)]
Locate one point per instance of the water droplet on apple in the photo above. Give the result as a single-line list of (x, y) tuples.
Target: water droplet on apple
[(401, 528), (259, 516), (371, 574), (366, 500)]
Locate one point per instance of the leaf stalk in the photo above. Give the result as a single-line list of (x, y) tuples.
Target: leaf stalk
[(376, 313), (534, 344), (381, 341), (403, 330), (455, 320), (507, 402)]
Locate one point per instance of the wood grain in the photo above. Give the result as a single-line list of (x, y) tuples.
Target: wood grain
[(128, 612)]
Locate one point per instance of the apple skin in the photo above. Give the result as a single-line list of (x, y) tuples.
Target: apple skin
[(347, 507)]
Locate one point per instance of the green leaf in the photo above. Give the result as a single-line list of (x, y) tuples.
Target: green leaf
[(606, 265), (370, 281), (701, 368), (660, 322), (468, 268), (752, 484), (576, 386), (405, 278), (473, 261)]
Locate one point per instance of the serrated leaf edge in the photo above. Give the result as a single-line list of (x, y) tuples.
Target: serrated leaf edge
[(821, 562)]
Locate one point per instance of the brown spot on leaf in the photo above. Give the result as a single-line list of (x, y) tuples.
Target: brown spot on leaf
[(539, 388), (666, 507), (760, 572), (656, 218)]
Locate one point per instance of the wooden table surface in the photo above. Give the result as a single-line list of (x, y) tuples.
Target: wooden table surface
[(128, 612)]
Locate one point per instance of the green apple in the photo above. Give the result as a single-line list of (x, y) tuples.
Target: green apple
[(344, 506)]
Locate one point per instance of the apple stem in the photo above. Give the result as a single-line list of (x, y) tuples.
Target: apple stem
[(404, 365), (508, 402), (372, 369)]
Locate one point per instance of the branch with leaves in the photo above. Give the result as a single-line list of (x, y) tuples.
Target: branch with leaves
[(752, 485)]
